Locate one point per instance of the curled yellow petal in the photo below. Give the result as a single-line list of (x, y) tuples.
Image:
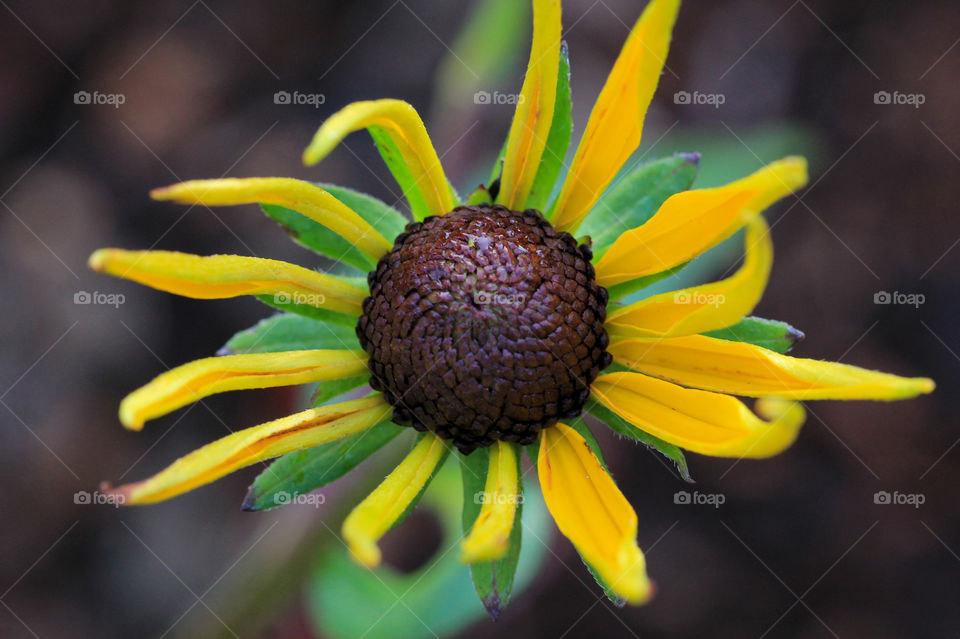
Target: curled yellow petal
[(751, 371), (691, 222), (376, 514), (592, 512), (489, 539), (251, 445), (403, 125), (700, 421), (303, 197), (220, 276), (614, 129), (196, 380), (701, 308), (534, 114)]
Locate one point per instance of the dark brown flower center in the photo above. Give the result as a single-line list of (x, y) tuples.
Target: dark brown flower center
[(484, 324)]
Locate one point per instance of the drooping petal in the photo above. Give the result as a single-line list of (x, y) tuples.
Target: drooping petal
[(592, 512), (251, 445), (691, 222), (376, 514), (534, 114), (614, 129), (701, 308), (196, 380), (700, 421), (744, 369), (400, 122), (221, 276), (490, 536), (303, 197)]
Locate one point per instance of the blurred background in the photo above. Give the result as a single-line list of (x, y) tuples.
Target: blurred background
[(104, 101)]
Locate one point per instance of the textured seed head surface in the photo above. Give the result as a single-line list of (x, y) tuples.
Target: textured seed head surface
[(484, 324)]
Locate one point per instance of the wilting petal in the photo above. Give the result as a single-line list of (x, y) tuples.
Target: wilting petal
[(691, 222), (616, 122), (249, 446), (196, 380), (592, 512), (489, 538), (376, 514), (405, 129), (700, 421), (701, 308), (303, 197), (744, 369), (220, 276), (534, 114)]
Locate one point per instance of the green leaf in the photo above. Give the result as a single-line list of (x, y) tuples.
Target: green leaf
[(771, 334), (306, 310), (290, 332), (625, 428), (380, 215), (330, 389), (493, 580), (634, 199), (306, 470), (621, 290), (558, 138)]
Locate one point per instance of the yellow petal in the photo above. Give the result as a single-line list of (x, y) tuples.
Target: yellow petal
[(691, 222), (700, 421), (376, 514), (221, 276), (489, 539), (744, 369), (592, 512), (303, 197), (534, 114), (196, 380), (252, 445), (701, 308), (616, 122), (403, 125)]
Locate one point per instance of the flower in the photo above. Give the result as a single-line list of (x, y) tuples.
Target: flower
[(483, 322)]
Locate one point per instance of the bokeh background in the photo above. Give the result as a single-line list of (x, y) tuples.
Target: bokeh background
[(798, 549)]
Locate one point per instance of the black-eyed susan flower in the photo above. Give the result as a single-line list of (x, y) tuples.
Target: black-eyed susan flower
[(484, 325)]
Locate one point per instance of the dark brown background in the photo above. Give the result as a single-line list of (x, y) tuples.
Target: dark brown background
[(199, 81)]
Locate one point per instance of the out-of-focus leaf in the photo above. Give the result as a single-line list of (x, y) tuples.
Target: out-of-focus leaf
[(636, 197), (618, 425), (290, 332), (771, 334), (304, 471), (558, 139), (493, 580)]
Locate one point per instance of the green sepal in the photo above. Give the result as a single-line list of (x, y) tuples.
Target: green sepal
[(326, 391), (304, 471), (558, 138), (401, 173), (480, 195), (493, 580), (290, 332), (306, 310), (633, 200), (773, 335), (621, 290), (625, 428)]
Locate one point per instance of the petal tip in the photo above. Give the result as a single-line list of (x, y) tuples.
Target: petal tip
[(99, 259)]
